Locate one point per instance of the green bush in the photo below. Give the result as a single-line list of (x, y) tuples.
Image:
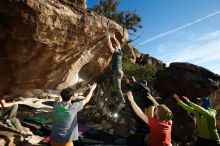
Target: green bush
[(140, 72)]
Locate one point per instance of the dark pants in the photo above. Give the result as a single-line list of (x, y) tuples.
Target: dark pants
[(10, 114), (206, 142), (117, 76)]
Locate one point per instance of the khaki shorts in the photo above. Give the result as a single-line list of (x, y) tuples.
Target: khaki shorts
[(69, 143)]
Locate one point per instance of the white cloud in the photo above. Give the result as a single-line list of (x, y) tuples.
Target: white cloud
[(203, 53), (215, 68), (214, 57), (178, 28), (210, 36), (199, 52), (162, 48), (217, 71)]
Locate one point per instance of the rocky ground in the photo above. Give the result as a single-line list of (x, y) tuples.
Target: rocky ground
[(28, 106), (92, 131)]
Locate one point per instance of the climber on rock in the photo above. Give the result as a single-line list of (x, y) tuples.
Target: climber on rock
[(117, 67)]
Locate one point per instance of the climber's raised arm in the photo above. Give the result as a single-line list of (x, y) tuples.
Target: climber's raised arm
[(2, 103), (136, 108), (89, 95), (152, 99)]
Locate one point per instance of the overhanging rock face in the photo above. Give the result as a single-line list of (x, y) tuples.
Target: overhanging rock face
[(187, 79), (51, 44)]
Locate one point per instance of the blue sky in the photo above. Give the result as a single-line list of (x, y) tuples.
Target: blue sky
[(178, 30)]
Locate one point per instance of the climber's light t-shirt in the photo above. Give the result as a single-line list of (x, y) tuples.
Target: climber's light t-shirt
[(64, 126)]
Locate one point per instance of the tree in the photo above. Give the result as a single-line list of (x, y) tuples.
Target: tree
[(109, 8)]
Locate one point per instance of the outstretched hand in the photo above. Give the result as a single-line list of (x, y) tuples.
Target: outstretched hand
[(133, 79), (149, 96), (130, 96), (94, 85), (186, 98), (108, 35), (152, 99), (113, 35), (176, 97)]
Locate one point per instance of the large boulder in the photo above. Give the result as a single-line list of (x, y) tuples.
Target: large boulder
[(52, 44), (187, 79)]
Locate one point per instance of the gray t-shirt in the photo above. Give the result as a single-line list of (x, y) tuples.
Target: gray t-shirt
[(64, 125)]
